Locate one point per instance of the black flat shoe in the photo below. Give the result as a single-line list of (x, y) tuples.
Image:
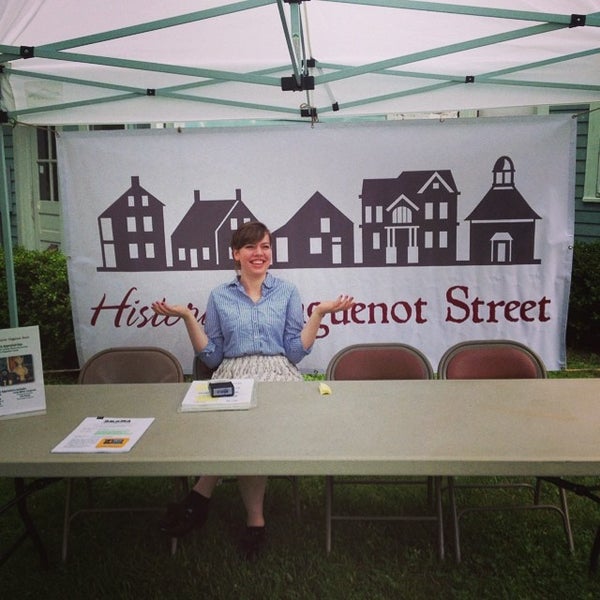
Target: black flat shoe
[(180, 520), (253, 542)]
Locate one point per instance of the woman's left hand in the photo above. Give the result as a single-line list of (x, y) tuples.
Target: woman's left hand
[(342, 302)]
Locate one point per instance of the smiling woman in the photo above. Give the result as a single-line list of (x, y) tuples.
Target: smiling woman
[(253, 328), (252, 254)]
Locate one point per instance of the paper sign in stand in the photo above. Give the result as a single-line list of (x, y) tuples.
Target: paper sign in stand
[(21, 373)]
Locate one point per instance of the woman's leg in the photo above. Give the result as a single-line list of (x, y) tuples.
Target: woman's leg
[(206, 485), (192, 512), (252, 489)]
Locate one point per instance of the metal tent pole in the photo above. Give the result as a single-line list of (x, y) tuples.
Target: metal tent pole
[(7, 237)]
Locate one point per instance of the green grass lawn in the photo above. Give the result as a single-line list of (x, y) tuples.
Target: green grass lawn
[(506, 555), (580, 364)]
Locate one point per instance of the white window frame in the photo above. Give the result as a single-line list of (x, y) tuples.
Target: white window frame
[(591, 186)]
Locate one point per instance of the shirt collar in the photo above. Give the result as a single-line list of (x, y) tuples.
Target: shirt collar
[(268, 282)]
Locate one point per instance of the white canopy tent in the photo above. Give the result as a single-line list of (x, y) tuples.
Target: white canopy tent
[(149, 61), (84, 62)]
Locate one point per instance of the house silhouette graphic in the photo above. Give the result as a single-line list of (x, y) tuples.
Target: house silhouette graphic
[(410, 220), (318, 235), (502, 225), (132, 232), (201, 240)]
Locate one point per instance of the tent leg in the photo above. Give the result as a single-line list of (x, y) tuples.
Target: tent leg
[(7, 236)]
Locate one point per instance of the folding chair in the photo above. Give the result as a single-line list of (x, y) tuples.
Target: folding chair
[(127, 364), (496, 359), (382, 361)]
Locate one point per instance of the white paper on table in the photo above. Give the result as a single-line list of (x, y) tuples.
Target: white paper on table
[(198, 398), (105, 434)]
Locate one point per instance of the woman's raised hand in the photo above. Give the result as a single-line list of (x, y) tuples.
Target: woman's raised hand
[(194, 329), (342, 302), (160, 307)]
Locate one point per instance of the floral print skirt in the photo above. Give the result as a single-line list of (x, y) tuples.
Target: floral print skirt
[(259, 368)]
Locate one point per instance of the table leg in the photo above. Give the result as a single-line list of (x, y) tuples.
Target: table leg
[(22, 493), (586, 491), (595, 553)]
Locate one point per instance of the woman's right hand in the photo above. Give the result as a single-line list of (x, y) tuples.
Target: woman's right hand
[(194, 329), (160, 307)]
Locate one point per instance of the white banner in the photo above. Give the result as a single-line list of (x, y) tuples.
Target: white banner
[(442, 231)]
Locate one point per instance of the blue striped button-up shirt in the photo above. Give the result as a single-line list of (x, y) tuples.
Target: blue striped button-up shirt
[(238, 326)]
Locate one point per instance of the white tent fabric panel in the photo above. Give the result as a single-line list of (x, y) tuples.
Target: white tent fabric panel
[(94, 62)]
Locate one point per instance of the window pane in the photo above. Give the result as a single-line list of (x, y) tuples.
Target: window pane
[(281, 249), (376, 241), (54, 168), (44, 181), (316, 246), (107, 230), (52, 143), (42, 143)]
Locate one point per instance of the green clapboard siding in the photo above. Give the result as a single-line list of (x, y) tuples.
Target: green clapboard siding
[(587, 214), (10, 178)]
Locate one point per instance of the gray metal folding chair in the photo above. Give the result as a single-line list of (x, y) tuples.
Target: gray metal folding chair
[(383, 361), (200, 371), (497, 359), (144, 364)]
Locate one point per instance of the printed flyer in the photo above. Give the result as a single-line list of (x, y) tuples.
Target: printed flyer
[(21, 373), (105, 434)]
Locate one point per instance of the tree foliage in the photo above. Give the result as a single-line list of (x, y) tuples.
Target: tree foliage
[(43, 299)]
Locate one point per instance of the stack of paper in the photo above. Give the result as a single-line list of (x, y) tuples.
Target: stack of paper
[(198, 396)]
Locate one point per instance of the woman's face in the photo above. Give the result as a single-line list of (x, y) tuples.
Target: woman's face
[(254, 258)]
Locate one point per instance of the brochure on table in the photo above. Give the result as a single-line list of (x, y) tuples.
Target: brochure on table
[(198, 396), (21, 373), (105, 434)]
